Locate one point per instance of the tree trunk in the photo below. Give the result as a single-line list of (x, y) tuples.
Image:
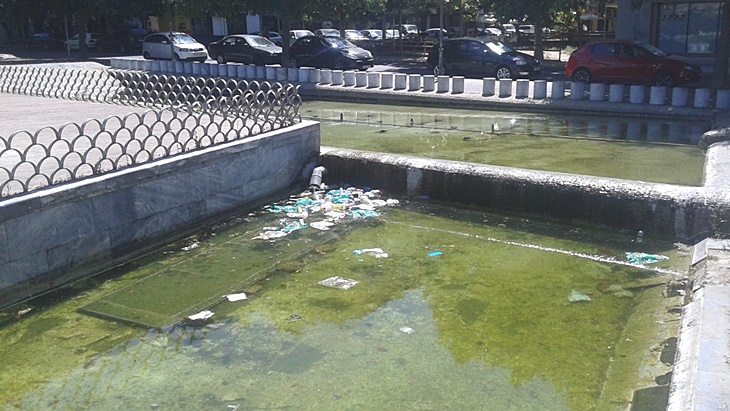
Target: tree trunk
[(539, 54)]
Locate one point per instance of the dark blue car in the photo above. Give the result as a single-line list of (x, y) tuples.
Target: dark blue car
[(483, 58), (328, 52)]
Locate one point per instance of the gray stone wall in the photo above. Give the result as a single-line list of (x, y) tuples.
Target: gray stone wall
[(53, 236)]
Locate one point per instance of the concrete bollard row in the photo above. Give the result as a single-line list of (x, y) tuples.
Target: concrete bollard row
[(519, 89)]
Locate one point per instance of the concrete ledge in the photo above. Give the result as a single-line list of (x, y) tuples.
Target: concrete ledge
[(669, 211)]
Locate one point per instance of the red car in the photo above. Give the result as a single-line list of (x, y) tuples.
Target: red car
[(632, 62)]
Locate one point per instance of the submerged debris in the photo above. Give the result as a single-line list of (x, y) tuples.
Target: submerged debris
[(576, 296), (338, 282), (642, 258)]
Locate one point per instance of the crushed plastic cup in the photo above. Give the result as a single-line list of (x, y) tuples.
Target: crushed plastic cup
[(377, 252), (407, 330)]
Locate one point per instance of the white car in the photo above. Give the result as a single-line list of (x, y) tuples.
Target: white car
[(295, 34), (327, 32), (73, 42), (173, 46)]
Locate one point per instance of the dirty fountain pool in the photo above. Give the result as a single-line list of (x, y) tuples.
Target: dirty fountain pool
[(469, 310), (653, 150)]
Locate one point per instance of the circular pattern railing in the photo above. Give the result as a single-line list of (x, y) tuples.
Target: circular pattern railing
[(186, 113)]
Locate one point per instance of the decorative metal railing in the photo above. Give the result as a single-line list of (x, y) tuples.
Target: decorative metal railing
[(185, 114)]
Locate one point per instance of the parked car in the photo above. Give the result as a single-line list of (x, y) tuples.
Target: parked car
[(123, 40), (433, 34), (295, 34), (274, 36), (509, 30), (328, 52), (45, 41), (627, 61), (327, 32), (356, 37), (91, 39), (245, 48), (527, 29), (173, 46), (407, 30), (483, 57), (373, 34)]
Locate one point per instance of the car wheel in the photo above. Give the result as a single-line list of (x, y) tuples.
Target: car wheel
[(293, 63), (664, 78), (258, 61), (503, 73), (581, 75), (438, 71), (220, 59), (146, 55), (339, 65)]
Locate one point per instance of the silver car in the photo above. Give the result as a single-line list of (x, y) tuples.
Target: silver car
[(173, 46)]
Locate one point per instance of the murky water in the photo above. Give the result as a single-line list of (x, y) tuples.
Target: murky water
[(469, 310), (658, 151)]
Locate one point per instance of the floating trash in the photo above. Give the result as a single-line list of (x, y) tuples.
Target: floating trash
[(271, 235), (576, 296), (203, 315), (435, 253), (191, 247), (377, 252), (407, 330), (236, 297), (338, 282), (641, 258), (323, 225)]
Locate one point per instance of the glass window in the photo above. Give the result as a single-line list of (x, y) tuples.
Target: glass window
[(690, 28)]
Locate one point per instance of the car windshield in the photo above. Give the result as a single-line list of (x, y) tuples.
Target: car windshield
[(653, 50), (260, 42), (338, 42), (182, 39), (498, 47)]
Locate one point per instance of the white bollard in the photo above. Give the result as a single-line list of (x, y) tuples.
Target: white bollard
[(361, 79), (522, 89), (658, 95), (282, 73), (292, 74), (723, 99), (429, 83), (205, 69), (489, 87), (251, 72), (304, 74), (505, 88), (315, 75), (636, 94), (414, 82), (325, 76), (241, 71), (616, 93), (196, 68), (232, 70), (270, 73), (702, 98), (400, 81), (349, 78), (577, 90), (539, 90), (442, 85), (557, 91), (180, 67), (337, 77), (457, 85), (261, 72), (386, 80), (373, 79), (597, 92)]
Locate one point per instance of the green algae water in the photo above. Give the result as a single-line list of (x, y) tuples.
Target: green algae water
[(658, 151), (469, 310)]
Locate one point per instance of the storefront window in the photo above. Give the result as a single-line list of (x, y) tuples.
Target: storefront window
[(689, 28)]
